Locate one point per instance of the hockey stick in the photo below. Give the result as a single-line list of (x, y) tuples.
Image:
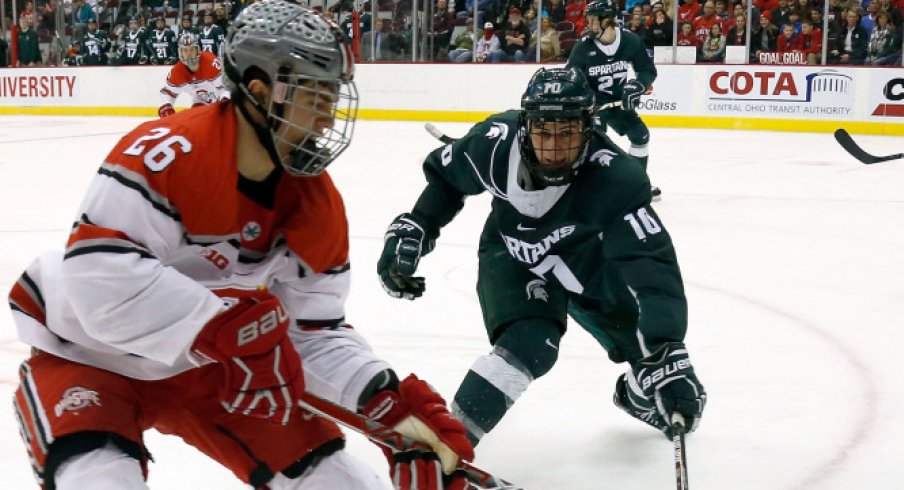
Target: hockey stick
[(387, 437), (678, 432), (436, 133), (846, 142)]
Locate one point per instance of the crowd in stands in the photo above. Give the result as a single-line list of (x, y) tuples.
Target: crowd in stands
[(122, 32)]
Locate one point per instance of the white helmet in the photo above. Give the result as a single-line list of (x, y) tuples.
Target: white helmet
[(295, 48), (189, 50)]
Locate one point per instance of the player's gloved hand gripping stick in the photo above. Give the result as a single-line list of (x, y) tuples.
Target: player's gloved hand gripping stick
[(395, 441)]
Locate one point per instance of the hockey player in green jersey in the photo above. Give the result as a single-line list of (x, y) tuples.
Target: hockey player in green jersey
[(571, 233), (604, 55)]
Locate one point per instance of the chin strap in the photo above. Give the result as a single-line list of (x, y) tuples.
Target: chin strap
[(263, 132)]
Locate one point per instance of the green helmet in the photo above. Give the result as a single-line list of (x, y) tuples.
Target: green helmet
[(602, 8), (555, 95)]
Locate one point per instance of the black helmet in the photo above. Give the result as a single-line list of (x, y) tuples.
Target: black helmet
[(602, 9), (555, 94)]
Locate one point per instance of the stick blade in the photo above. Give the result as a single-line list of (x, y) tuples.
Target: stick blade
[(436, 133), (844, 139)]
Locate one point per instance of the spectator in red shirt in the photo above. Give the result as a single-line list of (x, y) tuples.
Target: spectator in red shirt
[(811, 42), (788, 41), (765, 5), (686, 36), (689, 11), (574, 13), (704, 23)]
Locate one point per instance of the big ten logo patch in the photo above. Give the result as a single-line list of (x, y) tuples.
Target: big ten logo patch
[(76, 398)]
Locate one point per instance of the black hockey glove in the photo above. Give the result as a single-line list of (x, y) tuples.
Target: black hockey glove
[(631, 95), (629, 398), (667, 379), (404, 244)]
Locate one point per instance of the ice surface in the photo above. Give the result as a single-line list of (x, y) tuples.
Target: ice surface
[(792, 257)]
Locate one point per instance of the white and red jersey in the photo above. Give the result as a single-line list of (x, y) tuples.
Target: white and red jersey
[(703, 25), (166, 219), (204, 86)]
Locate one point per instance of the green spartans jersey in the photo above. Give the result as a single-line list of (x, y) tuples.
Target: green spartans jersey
[(94, 47), (606, 67), (211, 39), (597, 231), (161, 46), (132, 50)]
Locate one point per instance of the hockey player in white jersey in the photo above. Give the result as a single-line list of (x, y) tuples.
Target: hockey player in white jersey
[(203, 286), (197, 73)]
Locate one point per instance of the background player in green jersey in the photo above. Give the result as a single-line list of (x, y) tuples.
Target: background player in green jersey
[(604, 56), (571, 233)]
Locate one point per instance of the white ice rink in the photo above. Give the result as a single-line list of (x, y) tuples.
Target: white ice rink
[(792, 257)]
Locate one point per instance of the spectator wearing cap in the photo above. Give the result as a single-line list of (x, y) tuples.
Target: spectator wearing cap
[(489, 48), (515, 38), (763, 38)]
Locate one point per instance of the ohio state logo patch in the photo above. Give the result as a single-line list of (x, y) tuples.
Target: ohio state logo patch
[(251, 231), (76, 398)]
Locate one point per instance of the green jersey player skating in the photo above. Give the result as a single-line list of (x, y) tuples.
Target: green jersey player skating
[(604, 56), (571, 233)]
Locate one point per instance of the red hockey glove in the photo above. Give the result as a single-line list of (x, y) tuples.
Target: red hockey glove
[(250, 341), (421, 470), (420, 413), (166, 110)]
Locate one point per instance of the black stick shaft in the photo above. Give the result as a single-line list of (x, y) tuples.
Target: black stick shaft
[(678, 431)]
